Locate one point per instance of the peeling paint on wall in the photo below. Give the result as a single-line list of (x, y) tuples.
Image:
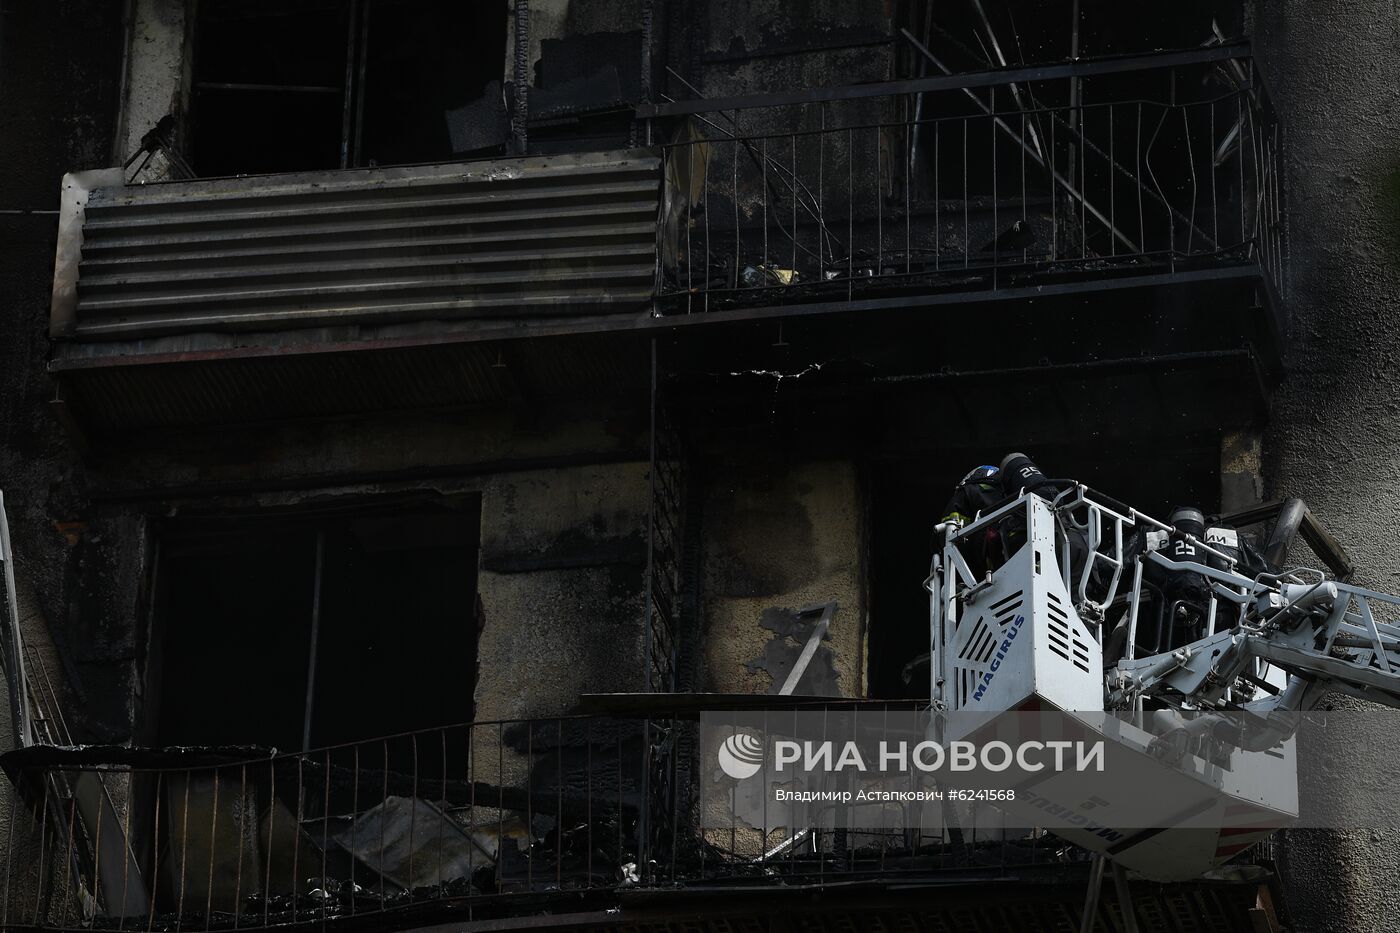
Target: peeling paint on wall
[(792, 630), (779, 536)]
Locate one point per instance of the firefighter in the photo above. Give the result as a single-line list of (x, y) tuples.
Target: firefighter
[(1019, 473), (976, 494), (984, 489), (1182, 597), (1185, 593)]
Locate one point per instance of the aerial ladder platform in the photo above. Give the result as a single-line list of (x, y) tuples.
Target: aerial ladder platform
[(1058, 619)]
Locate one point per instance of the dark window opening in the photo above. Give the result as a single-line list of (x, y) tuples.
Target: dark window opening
[(432, 85), (382, 598), (907, 501), (236, 611), (328, 84)]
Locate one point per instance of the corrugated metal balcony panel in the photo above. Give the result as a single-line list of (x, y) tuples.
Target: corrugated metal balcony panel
[(539, 237)]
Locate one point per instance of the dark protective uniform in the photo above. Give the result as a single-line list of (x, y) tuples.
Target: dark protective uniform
[(984, 489), (977, 492), (1019, 473)]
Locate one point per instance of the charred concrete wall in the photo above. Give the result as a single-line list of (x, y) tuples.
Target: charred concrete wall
[(779, 538), (748, 48), (156, 79), (1335, 425), (59, 77), (565, 37), (561, 569)]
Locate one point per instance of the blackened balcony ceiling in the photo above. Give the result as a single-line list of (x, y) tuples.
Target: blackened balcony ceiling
[(216, 388)]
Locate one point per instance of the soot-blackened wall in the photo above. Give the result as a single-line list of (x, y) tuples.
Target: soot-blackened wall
[(1335, 424)]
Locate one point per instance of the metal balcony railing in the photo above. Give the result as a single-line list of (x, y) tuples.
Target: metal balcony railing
[(470, 821), (1038, 176)]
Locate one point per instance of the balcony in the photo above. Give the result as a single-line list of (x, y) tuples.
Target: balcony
[(591, 817), (1150, 182), (545, 238), (1028, 182), (186, 302)]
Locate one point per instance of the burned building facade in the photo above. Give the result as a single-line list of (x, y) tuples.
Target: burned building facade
[(415, 411)]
